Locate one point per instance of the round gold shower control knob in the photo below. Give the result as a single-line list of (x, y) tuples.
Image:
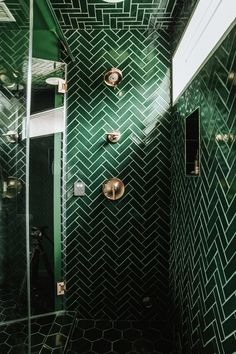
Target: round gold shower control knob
[(113, 77), (113, 188), (113, 137)]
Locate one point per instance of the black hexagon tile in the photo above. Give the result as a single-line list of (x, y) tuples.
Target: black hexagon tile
[(117, 337)]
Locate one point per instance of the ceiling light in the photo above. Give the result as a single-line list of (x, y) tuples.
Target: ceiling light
[(5, 14), (113, 1), (52, 80)]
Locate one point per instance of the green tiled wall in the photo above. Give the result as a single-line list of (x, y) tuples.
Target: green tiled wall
[(127, 15), (203, 211), (117, 252)]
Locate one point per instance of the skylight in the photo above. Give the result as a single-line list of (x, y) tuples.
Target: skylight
[(211, 20)]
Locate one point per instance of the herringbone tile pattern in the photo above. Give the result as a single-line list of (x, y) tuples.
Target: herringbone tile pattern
[(203, 223), (20, 11), (117, 252), (13, 53), (131, 14)]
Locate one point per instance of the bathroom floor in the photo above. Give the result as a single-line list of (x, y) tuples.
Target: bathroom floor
[(117, 337), (8, 309), (9, 297), (49, 334)]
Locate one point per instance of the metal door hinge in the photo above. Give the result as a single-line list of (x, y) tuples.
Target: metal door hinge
[(62, 86), (61, 288)]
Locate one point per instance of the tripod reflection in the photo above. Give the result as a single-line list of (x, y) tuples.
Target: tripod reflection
[(38, 257)]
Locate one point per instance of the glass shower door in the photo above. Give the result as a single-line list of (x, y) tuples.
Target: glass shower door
[(14, 61)]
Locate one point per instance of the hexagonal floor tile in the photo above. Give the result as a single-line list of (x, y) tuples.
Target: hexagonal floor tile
[(151, 334), (143, 346), (93, 334), (122, 346), (101, 346), (85, 324), (103, 324), (55, 341), (37, 338), (132, 334), (81, 345), (112, 334), (122, 324), (4, 348)]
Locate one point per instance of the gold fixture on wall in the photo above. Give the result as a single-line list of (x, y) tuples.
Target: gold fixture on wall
[(113, 137), (12, 187), (57, 81), (113, 77), (113, 188)]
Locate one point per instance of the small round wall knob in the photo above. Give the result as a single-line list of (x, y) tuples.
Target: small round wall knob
[(113, 77), (113, 188), (113, 137)]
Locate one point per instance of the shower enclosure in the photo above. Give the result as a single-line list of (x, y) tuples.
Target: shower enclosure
[(32, 121), (45, 182), (14, 54)]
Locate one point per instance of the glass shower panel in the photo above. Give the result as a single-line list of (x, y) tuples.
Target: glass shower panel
[(45, 184), (14, 54)]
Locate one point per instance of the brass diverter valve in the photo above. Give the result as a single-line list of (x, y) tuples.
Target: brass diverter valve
[(113, 77), (113, 137), (113, 188)]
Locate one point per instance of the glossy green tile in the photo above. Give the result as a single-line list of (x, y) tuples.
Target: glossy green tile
[(208, 208), (132, 14), (111, 234)]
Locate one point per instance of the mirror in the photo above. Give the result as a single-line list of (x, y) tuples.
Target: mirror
[(45, 166)]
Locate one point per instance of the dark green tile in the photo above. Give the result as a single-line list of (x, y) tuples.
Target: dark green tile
[(206, 204)]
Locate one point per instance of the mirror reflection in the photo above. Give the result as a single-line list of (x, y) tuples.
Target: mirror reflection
[(46, 129), (45, 156)]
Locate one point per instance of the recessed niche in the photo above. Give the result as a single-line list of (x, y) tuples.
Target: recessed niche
[(192, 144)]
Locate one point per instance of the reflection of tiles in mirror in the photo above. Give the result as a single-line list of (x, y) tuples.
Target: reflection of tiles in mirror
[(58, 336), (48, 333), (43, 69), (13, 338), (8, 310)]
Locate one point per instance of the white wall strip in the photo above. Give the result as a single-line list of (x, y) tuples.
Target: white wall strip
[(208, 24), (47, 122)]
